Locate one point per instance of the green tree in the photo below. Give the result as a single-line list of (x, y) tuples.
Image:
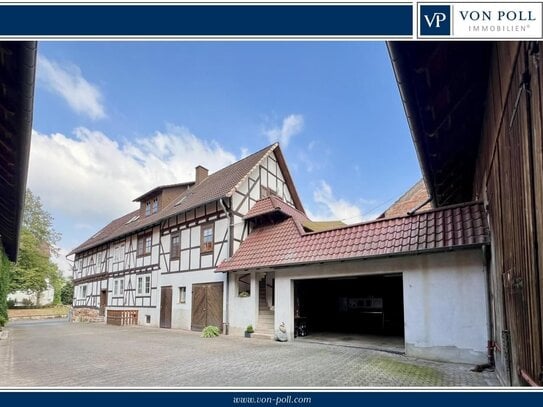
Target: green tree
[(33, 269), (38, 239), (67, 292), (5, 270), (39, 223)]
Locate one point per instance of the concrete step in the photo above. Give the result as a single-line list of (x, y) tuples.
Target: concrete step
[(266, 317), (262, 335), (263, 327)]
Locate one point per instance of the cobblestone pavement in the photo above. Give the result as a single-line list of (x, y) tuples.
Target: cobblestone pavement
[(57, 353)]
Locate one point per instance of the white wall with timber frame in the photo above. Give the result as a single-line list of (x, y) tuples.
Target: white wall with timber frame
[(98, 269), (191, 266), (266, 178)]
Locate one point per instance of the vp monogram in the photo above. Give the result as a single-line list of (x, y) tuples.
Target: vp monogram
[(437, 19)]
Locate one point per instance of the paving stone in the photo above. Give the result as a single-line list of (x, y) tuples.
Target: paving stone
[(62, 354)]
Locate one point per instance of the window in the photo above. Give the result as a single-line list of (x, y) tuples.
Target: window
[(148, 285), (151, 206), (182, 295), (84, 291), (144, 285), (244, 285), (175, 249), (147, 319), (144, 244), (118, 253), (265, 192), (207, 239), (118, 287)]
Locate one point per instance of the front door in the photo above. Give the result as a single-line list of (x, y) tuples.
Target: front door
[(166, 307), (206, 305), (103, 302)]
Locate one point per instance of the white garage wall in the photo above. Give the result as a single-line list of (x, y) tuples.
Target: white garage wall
[(445, 303)]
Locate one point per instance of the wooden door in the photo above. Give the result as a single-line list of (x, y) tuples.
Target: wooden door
[(166, 307), (103, 302), (206, 305), (198, 320), (214, 304)]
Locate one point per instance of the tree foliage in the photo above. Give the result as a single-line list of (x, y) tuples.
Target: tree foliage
[(67, 292), (39, 223), (4, 283), (34, 268)]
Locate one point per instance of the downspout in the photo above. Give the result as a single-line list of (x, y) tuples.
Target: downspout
[(414, 210), (490, 326), (228, 254)]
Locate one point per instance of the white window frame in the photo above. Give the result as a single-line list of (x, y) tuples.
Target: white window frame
[(115, 287), (84, 291), (140, 285), (147, 286)]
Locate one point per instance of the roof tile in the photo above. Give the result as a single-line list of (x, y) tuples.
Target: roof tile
[(284, 244)]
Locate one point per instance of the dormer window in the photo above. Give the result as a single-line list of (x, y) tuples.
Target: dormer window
[(151, 206)]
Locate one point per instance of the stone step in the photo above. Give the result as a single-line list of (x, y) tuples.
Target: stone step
[(262, 335), (267, 317), (266, 311)]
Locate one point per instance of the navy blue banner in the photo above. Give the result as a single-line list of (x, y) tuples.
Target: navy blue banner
[(206, 20), (282, 398)]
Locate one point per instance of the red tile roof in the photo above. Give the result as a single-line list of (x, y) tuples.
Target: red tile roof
[(217, 185), (283, 244), (273, 204)]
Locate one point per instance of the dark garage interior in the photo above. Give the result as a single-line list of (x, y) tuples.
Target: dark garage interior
[(367, 306)]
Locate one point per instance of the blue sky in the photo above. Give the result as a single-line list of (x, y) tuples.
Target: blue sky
[(114, 119)]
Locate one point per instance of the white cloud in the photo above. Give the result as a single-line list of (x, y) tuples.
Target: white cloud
[(332, 208), (68, 82), (93, 179), (292, 125)]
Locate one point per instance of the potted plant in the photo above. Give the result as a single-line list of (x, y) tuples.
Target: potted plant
[(248, 331)]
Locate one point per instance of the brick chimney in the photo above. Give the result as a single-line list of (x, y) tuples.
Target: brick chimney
[(201, 174)]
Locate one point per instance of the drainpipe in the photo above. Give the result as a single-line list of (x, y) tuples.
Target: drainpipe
[(228, 254), (490, 327), (414, 210)]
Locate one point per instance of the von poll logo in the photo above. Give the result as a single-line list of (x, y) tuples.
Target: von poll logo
[(435, 20)]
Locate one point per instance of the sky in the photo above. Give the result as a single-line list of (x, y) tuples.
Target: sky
[(115, 119)]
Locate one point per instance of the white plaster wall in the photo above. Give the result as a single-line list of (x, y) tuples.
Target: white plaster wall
[(243, 311), (445, 304), (181, 313), (446, 313)]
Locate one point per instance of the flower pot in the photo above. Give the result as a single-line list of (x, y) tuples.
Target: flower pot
[(247, 334)]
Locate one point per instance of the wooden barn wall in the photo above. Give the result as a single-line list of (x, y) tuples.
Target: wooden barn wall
[(509, 176)]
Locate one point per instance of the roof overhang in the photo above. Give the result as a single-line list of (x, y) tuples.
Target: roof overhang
[(443, 88), (17, 75)]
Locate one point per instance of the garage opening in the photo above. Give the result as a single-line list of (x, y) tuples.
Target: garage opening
[(365, 311)]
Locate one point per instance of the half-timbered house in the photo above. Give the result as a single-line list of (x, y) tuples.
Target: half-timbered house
[(156, 265)]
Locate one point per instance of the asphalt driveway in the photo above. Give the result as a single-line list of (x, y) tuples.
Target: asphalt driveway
[(55, 353)]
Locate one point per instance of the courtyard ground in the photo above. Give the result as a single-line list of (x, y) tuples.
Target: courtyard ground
[(55, 353)]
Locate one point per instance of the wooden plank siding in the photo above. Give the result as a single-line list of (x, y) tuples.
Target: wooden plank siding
[(509, 176)]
